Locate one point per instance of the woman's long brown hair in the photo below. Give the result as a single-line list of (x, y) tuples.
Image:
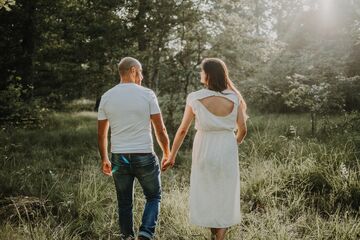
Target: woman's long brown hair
[(217, 78)]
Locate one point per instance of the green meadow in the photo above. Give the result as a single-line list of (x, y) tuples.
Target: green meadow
[(293, 185), (297, 64)]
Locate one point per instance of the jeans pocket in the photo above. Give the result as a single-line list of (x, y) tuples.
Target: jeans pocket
[(146, 160), (119, 163), (147, 165)]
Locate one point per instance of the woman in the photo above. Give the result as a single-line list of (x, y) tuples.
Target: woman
[(215, 182)]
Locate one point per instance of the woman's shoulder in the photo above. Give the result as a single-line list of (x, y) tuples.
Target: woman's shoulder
[(206, 92), (233, 96), (197, 93), (191, 97)]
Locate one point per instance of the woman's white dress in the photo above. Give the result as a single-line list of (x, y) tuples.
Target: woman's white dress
[(215, 179)]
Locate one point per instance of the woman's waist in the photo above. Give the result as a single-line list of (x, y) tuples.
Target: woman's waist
[(215, 131)]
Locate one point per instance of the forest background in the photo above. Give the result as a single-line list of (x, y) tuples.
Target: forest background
[(297, 64)]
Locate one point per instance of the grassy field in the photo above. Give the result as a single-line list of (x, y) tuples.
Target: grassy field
[(293, 185)]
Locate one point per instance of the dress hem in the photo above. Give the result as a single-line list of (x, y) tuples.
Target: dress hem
[(213, 226)]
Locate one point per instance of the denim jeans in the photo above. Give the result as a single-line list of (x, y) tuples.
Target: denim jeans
[(125, 168)]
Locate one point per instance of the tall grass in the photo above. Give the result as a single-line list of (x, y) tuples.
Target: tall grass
[(293, 186)]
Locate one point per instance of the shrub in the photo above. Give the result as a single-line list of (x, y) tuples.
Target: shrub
[(16, 111)]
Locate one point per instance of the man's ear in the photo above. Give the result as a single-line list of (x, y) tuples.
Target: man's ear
[(132, 70)]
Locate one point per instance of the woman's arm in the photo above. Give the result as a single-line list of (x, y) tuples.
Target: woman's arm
[(179, 137), (241, 123)]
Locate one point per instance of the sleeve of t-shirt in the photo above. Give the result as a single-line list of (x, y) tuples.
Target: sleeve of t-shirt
[(154, 105), (101, 110)]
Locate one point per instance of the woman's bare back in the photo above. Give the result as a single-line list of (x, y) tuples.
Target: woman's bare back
[(219, 106)]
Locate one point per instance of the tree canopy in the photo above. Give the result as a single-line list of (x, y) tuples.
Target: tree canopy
[(57, 51)]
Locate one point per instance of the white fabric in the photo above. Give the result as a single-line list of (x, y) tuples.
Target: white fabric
[(215, 178), (128, 107)]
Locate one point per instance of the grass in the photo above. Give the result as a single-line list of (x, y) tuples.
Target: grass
[(293, 186)]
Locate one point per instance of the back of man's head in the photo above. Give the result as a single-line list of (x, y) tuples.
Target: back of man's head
[(126, 63)]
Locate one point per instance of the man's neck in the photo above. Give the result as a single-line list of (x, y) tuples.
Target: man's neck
[(122, 82), (126, 81)]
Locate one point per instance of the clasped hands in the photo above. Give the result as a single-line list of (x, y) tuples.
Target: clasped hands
[(167, 161)]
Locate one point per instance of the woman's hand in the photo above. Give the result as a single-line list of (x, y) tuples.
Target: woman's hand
[(167, 162)]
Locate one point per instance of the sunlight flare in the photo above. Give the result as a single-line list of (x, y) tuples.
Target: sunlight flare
[(327, 12)]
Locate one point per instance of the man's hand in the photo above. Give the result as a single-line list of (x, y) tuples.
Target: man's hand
[(167, 162), (163, 160), (106, 167)]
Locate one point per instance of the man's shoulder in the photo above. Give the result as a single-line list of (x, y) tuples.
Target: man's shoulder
[(108, 92), (137, 87), (148, 92), (122, 88), (145, 89)]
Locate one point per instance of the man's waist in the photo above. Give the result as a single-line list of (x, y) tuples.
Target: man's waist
[(132, 147), (133, 154)]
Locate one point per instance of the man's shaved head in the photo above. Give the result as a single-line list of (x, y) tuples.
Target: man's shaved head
[(126, 63)]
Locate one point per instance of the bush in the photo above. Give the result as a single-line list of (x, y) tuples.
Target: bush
[(17, 111), (79, 105)]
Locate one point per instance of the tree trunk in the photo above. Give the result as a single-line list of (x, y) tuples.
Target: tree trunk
[(257, 16), (140, 19), (28, 48), (142, 39), (313, 123)]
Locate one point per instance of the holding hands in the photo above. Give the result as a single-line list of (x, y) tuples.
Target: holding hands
[(167, 162), (179, 138)]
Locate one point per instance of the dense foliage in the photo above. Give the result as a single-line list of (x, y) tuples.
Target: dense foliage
[(298, 57), (54, 52)]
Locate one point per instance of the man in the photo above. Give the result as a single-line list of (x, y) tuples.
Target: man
[(128, 109)]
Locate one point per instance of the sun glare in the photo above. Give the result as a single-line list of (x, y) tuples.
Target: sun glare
[(327, 11), (306, 8)]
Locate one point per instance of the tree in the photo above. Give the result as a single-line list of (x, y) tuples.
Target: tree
[(310, 97)]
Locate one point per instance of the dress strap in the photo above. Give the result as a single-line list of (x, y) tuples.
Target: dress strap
[(204, 93)]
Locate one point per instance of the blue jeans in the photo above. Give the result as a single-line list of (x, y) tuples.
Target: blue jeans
[(125, 168)]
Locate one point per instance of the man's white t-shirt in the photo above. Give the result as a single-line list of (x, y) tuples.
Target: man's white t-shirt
[(128, 107)]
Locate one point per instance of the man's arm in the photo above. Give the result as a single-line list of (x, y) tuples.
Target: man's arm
[(161, 134), (103, 128)]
